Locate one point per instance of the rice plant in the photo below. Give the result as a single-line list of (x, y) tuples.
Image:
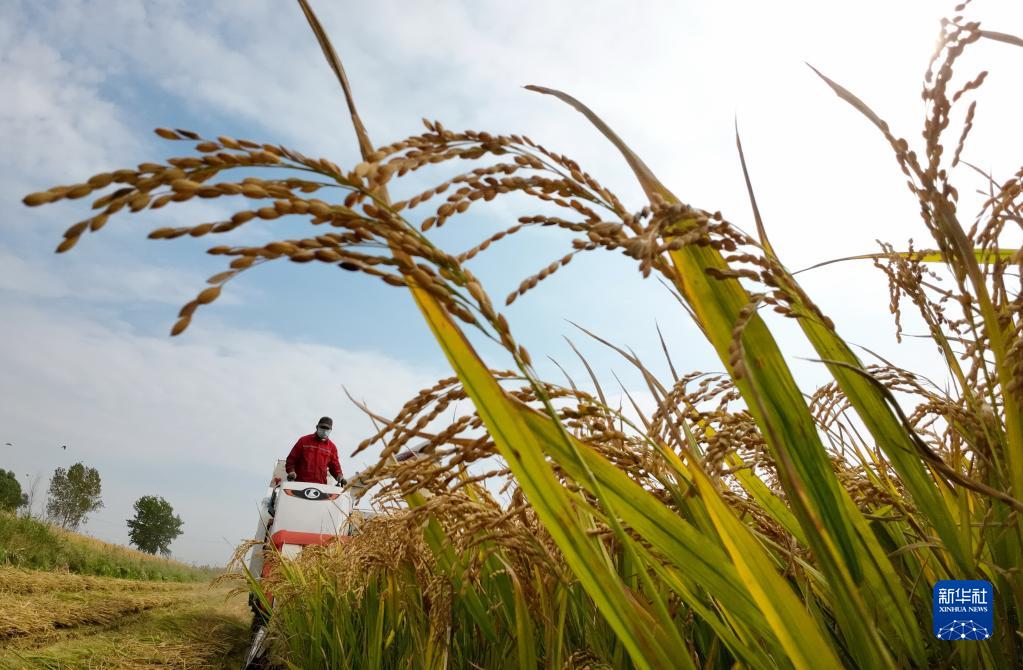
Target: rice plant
[(742, 523)]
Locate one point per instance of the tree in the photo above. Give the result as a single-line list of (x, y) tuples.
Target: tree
[(11, 497), (74, 493), (32, 496), (155, 526)]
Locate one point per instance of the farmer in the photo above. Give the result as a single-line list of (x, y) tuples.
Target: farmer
[(314, 455)]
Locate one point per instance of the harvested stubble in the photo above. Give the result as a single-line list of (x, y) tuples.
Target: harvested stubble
[(739, 524), (39, 606), (14, 581), (197, 629)]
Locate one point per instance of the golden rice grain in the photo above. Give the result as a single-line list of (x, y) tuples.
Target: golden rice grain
[(180, 326), (208, 295), (40, 198)]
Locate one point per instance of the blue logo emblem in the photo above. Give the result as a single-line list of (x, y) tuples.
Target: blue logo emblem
[(963, 609)]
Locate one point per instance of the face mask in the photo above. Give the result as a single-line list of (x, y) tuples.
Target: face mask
[(322, 433)]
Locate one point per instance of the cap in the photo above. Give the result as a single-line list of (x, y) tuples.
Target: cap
[(326, 422)]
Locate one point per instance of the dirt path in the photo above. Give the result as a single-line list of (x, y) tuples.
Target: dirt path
[(50, 620)]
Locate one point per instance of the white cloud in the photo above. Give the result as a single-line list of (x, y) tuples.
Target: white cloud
[(100, 278), (54, 122)]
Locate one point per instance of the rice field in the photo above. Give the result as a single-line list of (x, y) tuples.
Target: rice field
[(745, 522)]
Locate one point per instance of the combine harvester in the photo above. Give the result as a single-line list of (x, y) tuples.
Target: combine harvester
[(292, 516)]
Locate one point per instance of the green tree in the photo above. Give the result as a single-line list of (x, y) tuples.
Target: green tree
[(11, 497), (155, 525), (74, 493)]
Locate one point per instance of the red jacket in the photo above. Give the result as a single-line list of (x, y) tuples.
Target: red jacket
[(310, 459)]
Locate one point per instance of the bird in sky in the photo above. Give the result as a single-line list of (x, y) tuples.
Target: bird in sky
[(8, 444), (64, 447)]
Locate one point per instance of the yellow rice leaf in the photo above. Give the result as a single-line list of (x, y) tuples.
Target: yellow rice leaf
[(799, 634)]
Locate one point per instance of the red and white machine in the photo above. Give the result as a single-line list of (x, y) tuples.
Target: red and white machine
[(295, 515), (292, 516)]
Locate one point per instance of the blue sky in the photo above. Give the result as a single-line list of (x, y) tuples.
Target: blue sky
[(84, 352)]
